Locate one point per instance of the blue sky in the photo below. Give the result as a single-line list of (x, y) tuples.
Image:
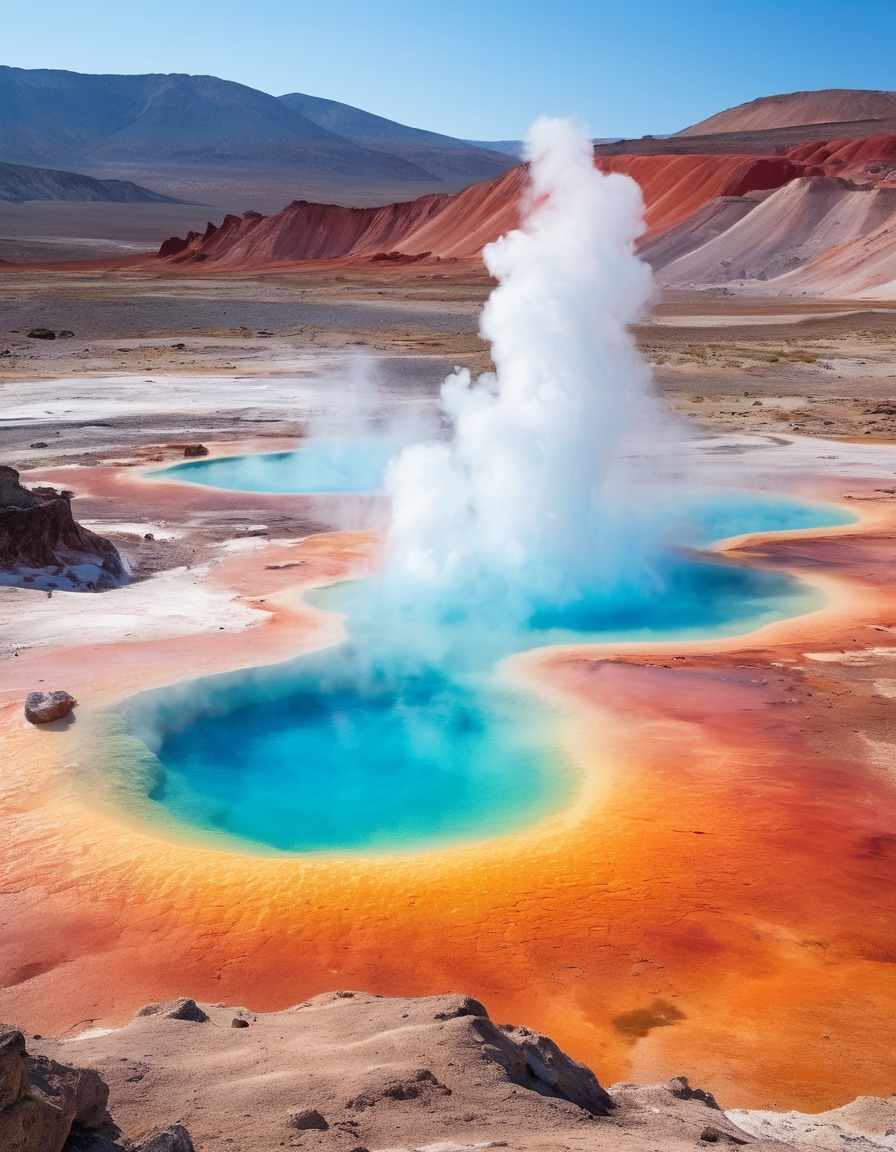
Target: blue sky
[(480, 69)]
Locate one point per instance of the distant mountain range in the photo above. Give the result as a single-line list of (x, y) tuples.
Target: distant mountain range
[(67, 119), (20, 183), (442, 156), (777, 206)]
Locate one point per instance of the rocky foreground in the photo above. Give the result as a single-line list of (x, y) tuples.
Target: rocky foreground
[(42, 546), (351, 1072)]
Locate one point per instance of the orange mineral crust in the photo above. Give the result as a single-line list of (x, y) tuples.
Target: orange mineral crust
[(720, 900)]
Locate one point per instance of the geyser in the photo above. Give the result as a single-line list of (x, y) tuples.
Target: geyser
[(526, 506), (542, 520)]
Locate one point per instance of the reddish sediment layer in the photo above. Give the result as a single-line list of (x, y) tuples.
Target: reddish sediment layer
[(706, 208)]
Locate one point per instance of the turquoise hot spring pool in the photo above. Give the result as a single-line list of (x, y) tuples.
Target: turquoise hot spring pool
[(406, 737)]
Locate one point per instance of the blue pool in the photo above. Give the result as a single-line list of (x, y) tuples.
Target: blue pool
[(405, 737), (318, 467)]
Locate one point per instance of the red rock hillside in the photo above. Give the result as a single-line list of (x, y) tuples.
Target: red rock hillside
[(693, 202)]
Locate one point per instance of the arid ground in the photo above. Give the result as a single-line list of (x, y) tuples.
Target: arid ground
[(720, 901)]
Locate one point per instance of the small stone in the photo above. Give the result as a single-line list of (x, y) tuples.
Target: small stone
[(182, 1009), (174, 1138), (40, 444), (41, 334), (148, 536), (195, 450), (45, 707), (65, 334), (239, 1022), (186, 1009), (307, 1118)]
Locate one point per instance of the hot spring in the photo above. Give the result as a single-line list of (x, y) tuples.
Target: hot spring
[(540, 520)]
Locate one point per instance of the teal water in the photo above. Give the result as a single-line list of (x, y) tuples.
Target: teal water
[(318, 467), (322, 755), (404, 738)]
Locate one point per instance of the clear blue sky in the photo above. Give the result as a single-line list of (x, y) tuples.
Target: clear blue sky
[(479, 68)]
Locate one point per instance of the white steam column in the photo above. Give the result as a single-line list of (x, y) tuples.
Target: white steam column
[(524, 506)]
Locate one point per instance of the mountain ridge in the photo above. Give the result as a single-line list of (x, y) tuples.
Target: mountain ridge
[(795, 109), (107, 122), (20, 183)]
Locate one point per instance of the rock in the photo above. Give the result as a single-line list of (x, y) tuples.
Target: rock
[(42, 545), (40, 444), (182, 1009), (40, 1100), (464, 1006), (41, 334), (79, 1089), (239, 1022), (716, 1136), (195, 450), (45, 707), (680, 1088), (13, 1076), (65, 334), (174, 1138), (534, 1061), (306, 1119), (148, 536), (421, 1085)]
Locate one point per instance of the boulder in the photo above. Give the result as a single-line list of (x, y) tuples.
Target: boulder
[(41, 334), (306, 1120), (174, 1138), (45, 707), (42, 1100), (534, 1061), (195, 450), (13, 1075), (181, 1009), (42, 546)]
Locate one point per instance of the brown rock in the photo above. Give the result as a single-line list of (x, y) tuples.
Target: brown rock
[(306, 1119), (45, 707), (13, 1076), (41, 1099), (41, 334), (181, 1009), (195, 450), (38, 532), (174, 1138), (534, 1061)]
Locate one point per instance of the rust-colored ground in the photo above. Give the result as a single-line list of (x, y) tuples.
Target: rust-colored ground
[(720, 903)]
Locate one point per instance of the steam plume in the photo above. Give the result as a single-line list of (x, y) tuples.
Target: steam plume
[(524, 506)]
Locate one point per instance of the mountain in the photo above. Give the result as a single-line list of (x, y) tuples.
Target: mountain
[(443, 156), (827, 106), (20, 184), (512, 148), (54, 118), (820, 217)]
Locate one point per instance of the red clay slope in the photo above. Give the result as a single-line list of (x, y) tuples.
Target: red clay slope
[(440, 225), (692, 202), (458, 226)]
